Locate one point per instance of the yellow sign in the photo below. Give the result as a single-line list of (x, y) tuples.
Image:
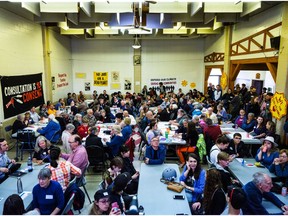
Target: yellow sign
[(100, 78), (278, 106), (223, 80), (81, 75)]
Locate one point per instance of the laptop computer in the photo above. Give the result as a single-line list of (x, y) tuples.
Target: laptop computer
[(13, 170)]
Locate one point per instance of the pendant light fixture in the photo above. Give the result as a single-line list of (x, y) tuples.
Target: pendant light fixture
[(136, 44)]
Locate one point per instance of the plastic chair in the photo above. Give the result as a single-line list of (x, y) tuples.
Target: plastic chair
[(59, 139), (69, 204), (72, 181), (81, 182)]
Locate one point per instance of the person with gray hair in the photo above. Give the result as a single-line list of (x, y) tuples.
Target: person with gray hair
[(48, 197), (249, 124), (41, 150), (51, 130), (65, 136), (256, 190), (93, 139)]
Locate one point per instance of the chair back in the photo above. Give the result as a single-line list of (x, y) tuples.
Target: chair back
[(69, 204), (57, 133), (210, 164), (8, 128), (96, 155), (26, 136)]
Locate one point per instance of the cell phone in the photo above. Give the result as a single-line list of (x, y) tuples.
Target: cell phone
[(181, 197)]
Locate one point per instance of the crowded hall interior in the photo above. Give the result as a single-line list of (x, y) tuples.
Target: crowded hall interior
[(143, 107)]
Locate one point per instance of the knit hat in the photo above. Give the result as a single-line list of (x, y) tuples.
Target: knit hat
[(101, 194)]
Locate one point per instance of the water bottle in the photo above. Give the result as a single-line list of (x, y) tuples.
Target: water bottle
[(243, 162), (29, 164), (19, 185)]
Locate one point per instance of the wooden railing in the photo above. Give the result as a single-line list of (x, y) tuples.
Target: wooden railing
[(214, 57)]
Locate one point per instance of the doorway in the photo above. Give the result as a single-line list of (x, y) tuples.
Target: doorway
[(258, 84)]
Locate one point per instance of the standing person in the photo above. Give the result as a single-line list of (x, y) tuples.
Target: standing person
[(280, 167), (144, 91), (4, 160), (102, 204), (227, 98), (267, 152), (256, 190), (65, 137), (78, 157), (127, 129), (218, 93), (155, 154), (191, 138), (193, 179), (162, 88), (61, 170), (235, 104), (48, 197)]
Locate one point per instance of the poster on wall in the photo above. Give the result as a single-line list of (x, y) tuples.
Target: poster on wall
[(170, 83), (115, 77), (100, 78), (87, 86), (62, 80), (20, 93), (128, 84)]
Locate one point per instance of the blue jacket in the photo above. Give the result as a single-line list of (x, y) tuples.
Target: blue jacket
[(116, 142), (265, 160), (280, 171), (198, 185), (126, 132), (249, 127), (254, 200), (50, 130), (161, 153)]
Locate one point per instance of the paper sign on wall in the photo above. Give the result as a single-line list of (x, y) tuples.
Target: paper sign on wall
[(100, 78)]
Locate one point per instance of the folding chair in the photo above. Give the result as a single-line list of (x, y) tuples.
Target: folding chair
[(97, 157), (81, 182), (26, 141), (68, 206)]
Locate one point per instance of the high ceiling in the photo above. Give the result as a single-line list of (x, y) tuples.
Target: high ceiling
[(123, 19)]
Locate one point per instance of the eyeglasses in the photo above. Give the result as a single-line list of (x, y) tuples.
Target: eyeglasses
[(71, 142), (155, 140), (283, 156), (237, 138)]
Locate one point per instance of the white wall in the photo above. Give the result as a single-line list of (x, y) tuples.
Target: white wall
[(21, 48), (181, 59), (214, 43), (61, 64)]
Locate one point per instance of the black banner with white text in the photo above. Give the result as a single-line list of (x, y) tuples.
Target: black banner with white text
[(20, 93)]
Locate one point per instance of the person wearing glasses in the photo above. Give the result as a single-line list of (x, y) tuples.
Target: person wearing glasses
[(79, 156), (155, 153), (236, 147), (256, 190), (280, 166), (102, 204)]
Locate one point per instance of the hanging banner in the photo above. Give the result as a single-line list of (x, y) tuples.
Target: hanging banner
[(100, 78), (20, 93), (170, 83)]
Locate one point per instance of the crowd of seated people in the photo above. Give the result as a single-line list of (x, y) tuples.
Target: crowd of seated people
[(195, 114)]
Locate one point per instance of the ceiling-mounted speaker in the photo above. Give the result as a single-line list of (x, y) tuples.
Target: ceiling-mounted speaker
[(275, 42)]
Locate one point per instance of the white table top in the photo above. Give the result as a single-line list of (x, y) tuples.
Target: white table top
[(154, 196)]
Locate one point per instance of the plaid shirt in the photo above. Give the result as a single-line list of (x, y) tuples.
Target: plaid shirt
[(62, 173)]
